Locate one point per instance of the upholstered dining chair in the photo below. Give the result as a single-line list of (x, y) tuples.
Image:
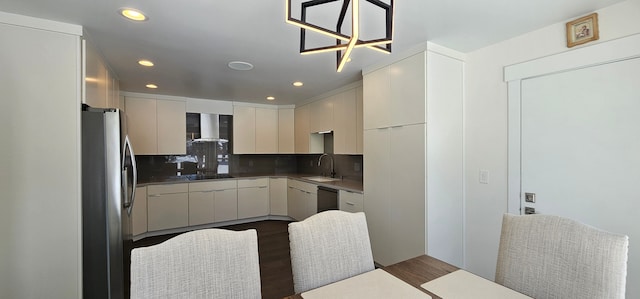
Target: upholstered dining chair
[(328, 247), (208, 263), (545, 256)]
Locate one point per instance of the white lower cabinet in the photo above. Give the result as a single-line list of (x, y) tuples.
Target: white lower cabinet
[(302, 199), (253, 198), (350, 201), (167, 206), (278, 196), (139, 212), (212, 201)]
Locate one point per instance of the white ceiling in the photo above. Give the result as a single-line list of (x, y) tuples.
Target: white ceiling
[(191, 42)]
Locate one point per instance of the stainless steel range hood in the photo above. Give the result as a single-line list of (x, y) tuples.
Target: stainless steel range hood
[(210, 128)]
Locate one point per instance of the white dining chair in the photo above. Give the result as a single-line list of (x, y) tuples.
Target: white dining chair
[(545, 256), (328, 247), (208, 263)]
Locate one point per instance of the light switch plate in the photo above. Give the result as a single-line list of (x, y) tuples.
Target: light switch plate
[(483, 177), (530, 197)]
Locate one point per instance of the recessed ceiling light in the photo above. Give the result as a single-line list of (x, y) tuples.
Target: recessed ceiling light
[(270, 98), (145, 62), (152, 86), (90, 79), (298, 83), (132, 14), (240, 65)]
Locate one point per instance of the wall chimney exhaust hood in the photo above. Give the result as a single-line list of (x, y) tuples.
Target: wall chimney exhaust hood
[(209, 129)]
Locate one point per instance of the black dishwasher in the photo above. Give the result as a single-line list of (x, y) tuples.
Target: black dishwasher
[(327, 199)]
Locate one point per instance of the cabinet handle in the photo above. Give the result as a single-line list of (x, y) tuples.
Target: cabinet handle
[(350, 203), (262, 187)]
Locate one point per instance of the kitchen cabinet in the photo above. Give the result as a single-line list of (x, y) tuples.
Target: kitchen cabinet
[(359, 121), (345, 123), (156, 127), (286, 134), (278, 196), (350, 201), (202, 201), (167, 206), (321, 116), (40, 189), (225, 205), (101, 87), (400, 135), (253, 198), (301, 128), (139, 212), (302, 199), (255, 130), (266, 131)]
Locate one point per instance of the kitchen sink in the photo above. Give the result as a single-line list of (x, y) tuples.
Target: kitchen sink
[(321, 179)]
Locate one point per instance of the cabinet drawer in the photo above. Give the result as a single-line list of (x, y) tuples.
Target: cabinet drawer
[(212, 185), (263, 182), (167, 189), (312, 188), (351, 201)]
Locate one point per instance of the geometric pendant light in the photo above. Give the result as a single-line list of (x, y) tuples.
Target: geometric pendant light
[(344, 43)]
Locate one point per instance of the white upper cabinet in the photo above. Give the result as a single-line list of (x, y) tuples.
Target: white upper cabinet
[(258, 130), (321, 116), (266, 131), (156, 127), (377, 91), (244, 130), (301, 128), (172, 127), (407, 79), (345, 123), (101, 87), (286, 139)]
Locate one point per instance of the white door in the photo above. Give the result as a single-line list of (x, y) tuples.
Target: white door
[(580, 146)]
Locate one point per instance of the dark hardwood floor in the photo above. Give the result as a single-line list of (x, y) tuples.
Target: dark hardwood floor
[(273, 249)]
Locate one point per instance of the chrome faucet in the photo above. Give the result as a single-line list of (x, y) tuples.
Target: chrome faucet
[(333, 172)]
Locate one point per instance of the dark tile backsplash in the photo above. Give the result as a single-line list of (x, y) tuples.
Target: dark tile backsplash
[(162, 168)]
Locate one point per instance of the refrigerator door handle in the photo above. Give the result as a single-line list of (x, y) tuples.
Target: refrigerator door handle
[(128, 203)]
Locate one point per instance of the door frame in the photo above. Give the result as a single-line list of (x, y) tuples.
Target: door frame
[(598, 54)]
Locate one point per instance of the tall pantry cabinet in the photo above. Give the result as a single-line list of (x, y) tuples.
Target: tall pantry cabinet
[(413, 174), (40, 179)]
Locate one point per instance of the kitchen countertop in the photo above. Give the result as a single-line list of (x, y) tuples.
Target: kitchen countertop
[(343, 184)]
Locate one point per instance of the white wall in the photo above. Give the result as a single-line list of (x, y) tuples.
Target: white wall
[(486, 124)]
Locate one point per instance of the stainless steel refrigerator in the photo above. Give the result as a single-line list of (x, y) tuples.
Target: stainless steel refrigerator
[(108, 192)]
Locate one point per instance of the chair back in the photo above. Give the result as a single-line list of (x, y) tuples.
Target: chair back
[(328, 247), (545, 256), (208, 263)]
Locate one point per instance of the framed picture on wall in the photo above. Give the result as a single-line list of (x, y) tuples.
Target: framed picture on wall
[(582, 30)]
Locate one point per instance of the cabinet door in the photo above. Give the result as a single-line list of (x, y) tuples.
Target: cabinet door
[(167, 211), (226, 205), (278, 196), (344, 134), (172, 127), (253, 202), (201, 207), (139, 212), (95, 81), (266, 131), (407, 177), (295, 203), (301, 128), (377, 196), (408, 91), (286, 132), (377, 98), (350, 201), (141, 125), (310, 204), (244, 130), (359, 121), (321, 115)]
